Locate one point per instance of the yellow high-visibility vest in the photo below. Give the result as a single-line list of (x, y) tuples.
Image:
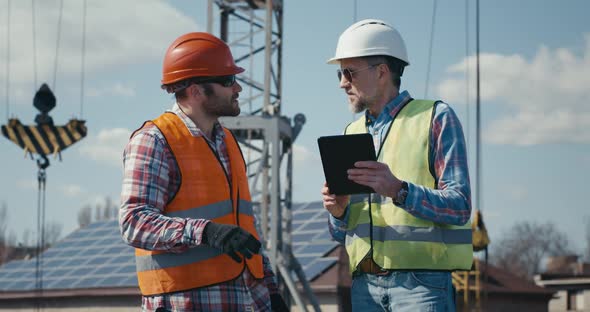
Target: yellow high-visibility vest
[(399, 240)]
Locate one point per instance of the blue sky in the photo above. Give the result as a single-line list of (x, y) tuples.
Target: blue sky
[(535, 73)]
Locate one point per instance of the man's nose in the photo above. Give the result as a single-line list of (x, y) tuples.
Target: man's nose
[(237, 86), (343, 82)]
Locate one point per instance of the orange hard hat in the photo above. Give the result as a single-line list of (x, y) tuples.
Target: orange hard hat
[(197, 54)]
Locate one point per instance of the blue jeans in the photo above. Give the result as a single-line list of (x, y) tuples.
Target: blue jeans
[(403, 291)]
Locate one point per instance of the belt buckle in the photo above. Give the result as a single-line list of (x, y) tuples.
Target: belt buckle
[(382, 272), (369, 266), (376, 269)]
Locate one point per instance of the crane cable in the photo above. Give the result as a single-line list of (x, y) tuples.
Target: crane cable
[(61, 6), (7, 70), (33, 24), (478, 166), (467, 102), (430, 48), (83, 61), (354, 20), (41, 174), (41, 179)]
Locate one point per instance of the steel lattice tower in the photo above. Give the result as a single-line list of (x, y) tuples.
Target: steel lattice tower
[(254, 31)]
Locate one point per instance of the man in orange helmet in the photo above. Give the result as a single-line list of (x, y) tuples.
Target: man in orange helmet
[(186, 206)]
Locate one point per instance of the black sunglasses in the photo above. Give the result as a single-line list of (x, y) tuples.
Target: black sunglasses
[(226, 81), (348, 73)]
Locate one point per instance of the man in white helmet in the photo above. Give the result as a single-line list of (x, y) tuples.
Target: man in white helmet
[(404, 241)]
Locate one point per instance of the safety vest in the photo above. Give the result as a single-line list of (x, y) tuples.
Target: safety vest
[(399, 240), (205, 193)]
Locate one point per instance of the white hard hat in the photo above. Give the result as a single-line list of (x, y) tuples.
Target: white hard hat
[(370, 37)]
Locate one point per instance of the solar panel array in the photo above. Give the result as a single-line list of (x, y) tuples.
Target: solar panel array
[(96, 257), (92, 257)]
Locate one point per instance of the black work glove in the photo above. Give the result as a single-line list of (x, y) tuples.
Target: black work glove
[(231, 239), (277, 304)]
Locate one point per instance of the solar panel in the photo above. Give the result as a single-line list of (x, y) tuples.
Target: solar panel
[(96, 256), (312, 226), (301, 238), (23, 285), (311, 238), (88, 282), (98, 260), (318, 267), (316, 249), (132, 280), (62, 283)]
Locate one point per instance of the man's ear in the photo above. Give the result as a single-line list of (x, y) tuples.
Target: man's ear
[(195, 90), (383, 70)]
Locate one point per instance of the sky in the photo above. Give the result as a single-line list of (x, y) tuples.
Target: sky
[(535, 73)]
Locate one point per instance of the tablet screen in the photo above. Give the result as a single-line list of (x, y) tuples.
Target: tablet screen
[(339, 153)]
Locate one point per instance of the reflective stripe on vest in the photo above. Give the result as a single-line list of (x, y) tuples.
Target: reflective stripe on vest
[(399, 240), (205, 192)]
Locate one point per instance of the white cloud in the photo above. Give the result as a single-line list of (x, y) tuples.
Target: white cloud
[(546, 97), (303, 157), (517, 192), (107, 147), (30, 184), (488, 214), (530, 128), (72, 190), (307, 167), (117, 33), (118, 89)]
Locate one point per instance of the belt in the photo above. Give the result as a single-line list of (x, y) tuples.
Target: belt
[(369, 266)]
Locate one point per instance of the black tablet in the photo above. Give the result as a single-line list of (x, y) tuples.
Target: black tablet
[(339, 153)]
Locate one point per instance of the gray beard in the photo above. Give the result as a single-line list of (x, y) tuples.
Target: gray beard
[(359, 107)]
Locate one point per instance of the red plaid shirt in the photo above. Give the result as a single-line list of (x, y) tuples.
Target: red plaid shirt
[(151, 178)]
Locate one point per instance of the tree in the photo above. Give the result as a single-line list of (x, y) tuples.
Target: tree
[(84, 216), (3, 221), (3, 238), (107, 212), (587, 251), (522, 249), (52, 233), (104, 211), (11, 248)]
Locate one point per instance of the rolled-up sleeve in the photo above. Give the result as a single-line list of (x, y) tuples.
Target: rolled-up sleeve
[(450, 201), (147, 187)]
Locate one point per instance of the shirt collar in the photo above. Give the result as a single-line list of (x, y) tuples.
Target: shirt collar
[(193, 128), (391, 108)]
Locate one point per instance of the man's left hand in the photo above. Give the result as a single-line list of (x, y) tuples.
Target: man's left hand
[(277, 304), (377, 175)]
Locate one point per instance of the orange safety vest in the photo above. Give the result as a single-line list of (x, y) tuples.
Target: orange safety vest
[(205, 192)]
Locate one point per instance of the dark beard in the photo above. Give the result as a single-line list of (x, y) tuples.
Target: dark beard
[(221, 109), (218, 107)]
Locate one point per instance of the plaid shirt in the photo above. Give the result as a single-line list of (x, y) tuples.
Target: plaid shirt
[(151, 178), (450, 202)]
